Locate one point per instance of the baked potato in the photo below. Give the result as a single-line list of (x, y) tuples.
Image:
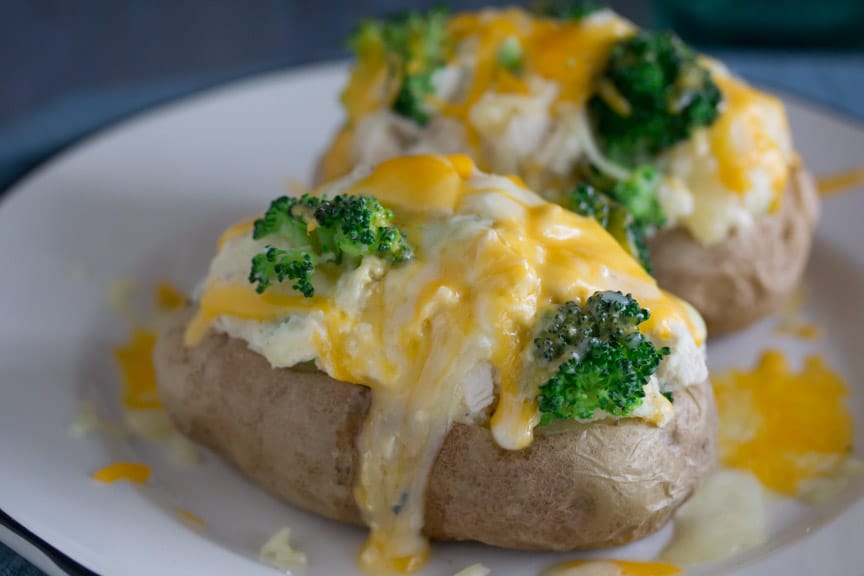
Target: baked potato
[(294, 432), (419, 343), (747, 275), (694, 174)]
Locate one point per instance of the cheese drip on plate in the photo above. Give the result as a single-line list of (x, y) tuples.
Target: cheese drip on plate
[(438, 339)]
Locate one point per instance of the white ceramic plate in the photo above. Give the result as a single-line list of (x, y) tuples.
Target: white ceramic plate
[(145, 201)]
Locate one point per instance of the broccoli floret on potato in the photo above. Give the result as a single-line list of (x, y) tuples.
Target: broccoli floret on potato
[(415, 45), (341, 231), (652, 94), (600, 358), (628, 209)]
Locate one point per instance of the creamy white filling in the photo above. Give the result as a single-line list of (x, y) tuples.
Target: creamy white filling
[(292, 340), (518, 131)]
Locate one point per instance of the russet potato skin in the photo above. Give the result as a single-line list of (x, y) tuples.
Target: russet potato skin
[(577, 486), (746, 276)]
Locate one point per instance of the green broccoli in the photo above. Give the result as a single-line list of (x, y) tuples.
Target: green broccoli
[(511, 57), (600, 359), (341, 231), (638, 194), (586, 200), (653, 93), (277, 265), (416, 45), (568, 9)]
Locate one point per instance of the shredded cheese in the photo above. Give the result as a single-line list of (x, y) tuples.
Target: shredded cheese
[(131, 471)]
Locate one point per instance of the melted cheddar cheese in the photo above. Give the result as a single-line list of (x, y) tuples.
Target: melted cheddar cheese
[(437, 339), (139, 377), (612, 568), (839, 182), (168, 297), (747, 139), (131, 471), (534, 123), (784, 427), (190, 519)]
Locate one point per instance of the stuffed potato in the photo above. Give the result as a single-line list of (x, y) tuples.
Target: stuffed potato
[(230, 399), (628, 126), (417, 344)]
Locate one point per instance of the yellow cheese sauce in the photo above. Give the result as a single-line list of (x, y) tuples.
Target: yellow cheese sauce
[(840, 182), (191, 520), (784, 426), (135, 359), (131, 471), (612, 568), (490, 255), (143, 413), (570, 53), (168, 298), (534, 122), (743, 140)]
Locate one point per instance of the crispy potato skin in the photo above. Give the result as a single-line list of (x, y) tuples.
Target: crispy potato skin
[(578, 486), (746, 276)]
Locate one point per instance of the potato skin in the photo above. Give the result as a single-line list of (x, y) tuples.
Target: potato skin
[(748, 275), (578, 486)]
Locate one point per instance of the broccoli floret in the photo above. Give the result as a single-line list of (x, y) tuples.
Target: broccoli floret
[(630, 234), (416, 46), (638, 194), (341, 231), (511, 57), (601, 360), (586, 200), (652, 94), (568, 9), (277, 265)]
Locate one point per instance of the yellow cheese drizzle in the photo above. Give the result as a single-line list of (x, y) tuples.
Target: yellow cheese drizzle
[(131, 471), (569, 54), (139, 376), (783, 426), (418, 332), (839, 182), (740, 141), (168, 297), (190, 519), (612, 568)]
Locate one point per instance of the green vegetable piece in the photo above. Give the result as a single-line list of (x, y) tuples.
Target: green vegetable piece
[(653, 93), (601, 360), (587, 201), (511, 57), (416, 45), (277, 265), (319, 231)]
